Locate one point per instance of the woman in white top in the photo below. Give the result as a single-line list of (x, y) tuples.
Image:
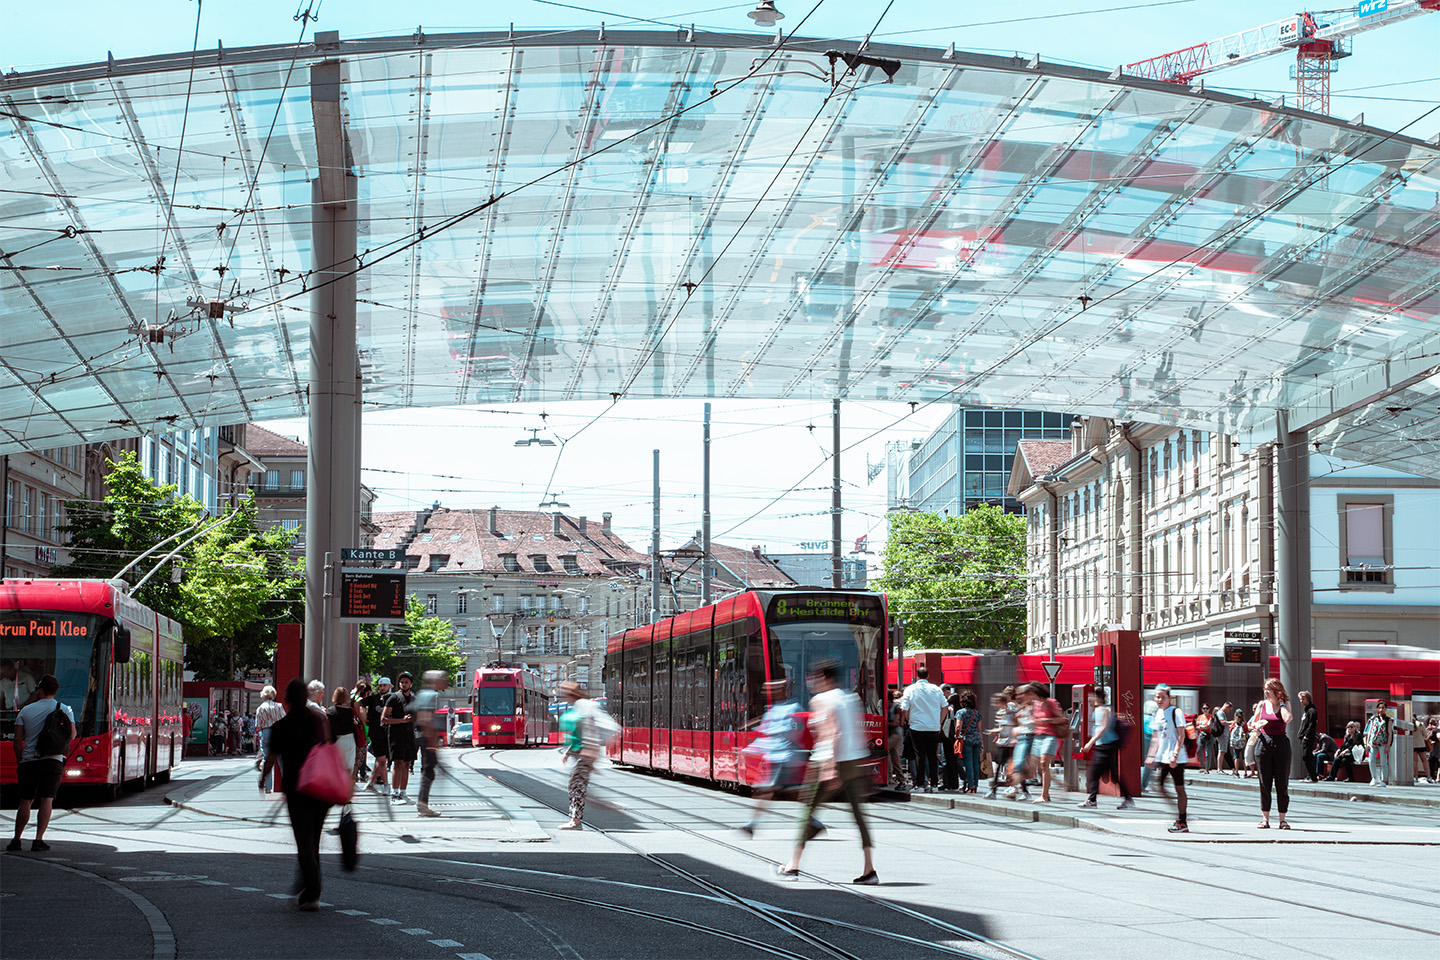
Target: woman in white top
[(835, 762)]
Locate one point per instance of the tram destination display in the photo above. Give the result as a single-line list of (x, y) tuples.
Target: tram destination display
[(372, 596)]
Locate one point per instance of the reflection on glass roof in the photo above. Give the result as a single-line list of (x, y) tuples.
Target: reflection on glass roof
[(672, 221)]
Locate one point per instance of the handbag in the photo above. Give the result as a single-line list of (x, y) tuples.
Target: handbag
[(349, 842), (324, 776)]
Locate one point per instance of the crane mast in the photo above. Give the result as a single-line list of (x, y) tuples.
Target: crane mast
[(1320, 39)]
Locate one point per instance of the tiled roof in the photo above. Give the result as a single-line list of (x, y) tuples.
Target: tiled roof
[(260, 442), (1044, 457), (460, 541), (744, 567)]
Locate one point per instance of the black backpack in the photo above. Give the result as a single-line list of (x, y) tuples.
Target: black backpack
[(55, 734)]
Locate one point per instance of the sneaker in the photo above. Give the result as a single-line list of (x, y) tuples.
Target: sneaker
[(424, 810), (13, 845), (39, 846), (1087, 804), (1179, 827), (1126, 804), (870, 879)]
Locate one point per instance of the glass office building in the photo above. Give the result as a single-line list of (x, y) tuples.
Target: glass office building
[(967, 460)]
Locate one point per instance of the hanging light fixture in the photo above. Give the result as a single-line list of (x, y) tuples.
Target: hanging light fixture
[(765, 14)]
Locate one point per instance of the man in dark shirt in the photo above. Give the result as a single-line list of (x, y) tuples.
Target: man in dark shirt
[(400, 723)]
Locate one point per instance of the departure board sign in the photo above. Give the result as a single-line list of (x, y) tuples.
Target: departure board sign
[(1242, 652), (842, 607), (372, 596)]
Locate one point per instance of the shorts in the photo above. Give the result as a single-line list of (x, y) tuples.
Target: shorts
[(1045, 746), (39, 779), (402, 744), (1023, 747), (379, 744)]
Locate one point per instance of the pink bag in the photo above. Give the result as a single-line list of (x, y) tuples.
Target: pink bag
[(324, 776)]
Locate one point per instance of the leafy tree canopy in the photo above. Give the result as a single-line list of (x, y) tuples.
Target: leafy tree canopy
[(957, 581), (421, 643), (239, 581)]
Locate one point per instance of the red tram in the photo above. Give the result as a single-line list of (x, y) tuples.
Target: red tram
[(688, 691), (511, 708), (120, 666)]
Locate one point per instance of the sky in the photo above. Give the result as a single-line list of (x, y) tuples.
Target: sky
[(770, 473)]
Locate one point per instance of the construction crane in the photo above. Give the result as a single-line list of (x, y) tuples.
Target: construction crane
[(1320, 39)]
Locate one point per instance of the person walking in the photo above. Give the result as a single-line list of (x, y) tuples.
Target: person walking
[(399, 723), (834, 764), (1272, 751), (968, 739), (1345, 758), (778, 747), (374, 704), (1167, 754), (265, 716), (427, 728), (924, 707), (1002, 739), (1309, 724), (592, 729), (41, 743), (1104, 749), (292, 737), (344, 728), (1379, 734)]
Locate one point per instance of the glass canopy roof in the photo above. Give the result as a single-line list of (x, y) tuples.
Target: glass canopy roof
[(650, 215)]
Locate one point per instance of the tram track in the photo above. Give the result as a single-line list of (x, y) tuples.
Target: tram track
[(959, 933), (1049, 851)]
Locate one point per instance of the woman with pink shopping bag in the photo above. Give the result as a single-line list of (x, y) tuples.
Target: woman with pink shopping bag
[(309, 787)]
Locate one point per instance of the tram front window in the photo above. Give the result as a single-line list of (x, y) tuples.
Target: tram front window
[(802, 637), (495, 702), (65, 645)]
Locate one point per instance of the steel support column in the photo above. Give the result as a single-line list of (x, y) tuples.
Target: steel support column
[(333, 473), (1292, 573)]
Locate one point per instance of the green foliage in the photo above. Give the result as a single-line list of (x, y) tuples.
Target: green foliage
[(239, 581), (422, 643), (957, 581)]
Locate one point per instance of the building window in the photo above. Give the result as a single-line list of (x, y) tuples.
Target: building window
[(431, 602), (1365, 541), (272, 479), (297, 478)]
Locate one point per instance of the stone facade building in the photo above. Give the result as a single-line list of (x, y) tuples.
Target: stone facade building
[(1172, 533)]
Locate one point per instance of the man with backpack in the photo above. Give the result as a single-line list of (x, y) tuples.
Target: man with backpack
[(43, 731)]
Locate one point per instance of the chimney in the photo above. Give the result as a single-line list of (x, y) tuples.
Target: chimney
[(555, 524), (605, 521), (494, 521), (583, 530)]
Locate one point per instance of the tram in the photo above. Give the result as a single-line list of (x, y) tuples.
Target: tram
[(689, 690), (120, 666), (510, 708)]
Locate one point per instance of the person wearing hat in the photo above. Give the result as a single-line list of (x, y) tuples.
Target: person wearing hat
[(592, 728), (374, 704)]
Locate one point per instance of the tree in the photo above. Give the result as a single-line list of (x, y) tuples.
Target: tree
[(957, 581), (136, 514), (238, 580), (422, 643)]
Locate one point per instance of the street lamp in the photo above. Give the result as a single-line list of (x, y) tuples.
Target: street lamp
[(765, 14)]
